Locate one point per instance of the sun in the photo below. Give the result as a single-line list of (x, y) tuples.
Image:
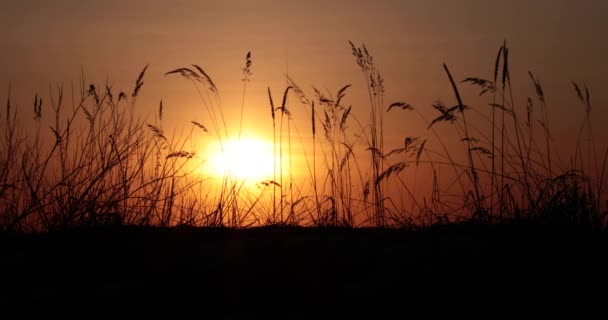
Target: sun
[(247, 158)]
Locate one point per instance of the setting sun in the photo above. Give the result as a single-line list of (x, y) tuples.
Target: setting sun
[(247, 158)]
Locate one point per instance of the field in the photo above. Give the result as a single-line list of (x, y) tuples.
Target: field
[(103, 211)]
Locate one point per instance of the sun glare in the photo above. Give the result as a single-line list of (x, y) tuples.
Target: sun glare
[(247, 159)]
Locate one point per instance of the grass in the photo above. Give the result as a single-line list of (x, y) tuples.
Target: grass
[(105, 164), (103, 211)]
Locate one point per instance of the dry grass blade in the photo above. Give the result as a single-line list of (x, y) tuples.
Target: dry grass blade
[(538, 87), (486, 85), (181, 154), (186, 73), (297, 90), (157, 132), (409, 143), (446, 114), (470, 139), (347, 156), (327, 124), (375, 151), (160, 110), (295, 203), (212, 86), (396, 151), (322, 98), (578, 91), (401, 105), (497, 64), (284, 111), (271, 105), (37, 107), (445, 67), (93, 92), (109, 93), (367, 55), (247, 68), (482, 150), (341, 94), (314, 130), (356, 52), (366, 191), (200, 126), (505, 64), (392, 170), (478, 81), (420, 151), (139, 82), (141, 75), (88, 116), (282, 108), (344, 118), (57, 135)]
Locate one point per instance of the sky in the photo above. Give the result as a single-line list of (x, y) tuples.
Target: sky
[(47, 43)]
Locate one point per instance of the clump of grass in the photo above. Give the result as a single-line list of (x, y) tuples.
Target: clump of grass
[(99, 166), (543, 193)]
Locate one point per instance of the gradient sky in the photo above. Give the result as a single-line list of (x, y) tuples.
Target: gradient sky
[(48, 42)]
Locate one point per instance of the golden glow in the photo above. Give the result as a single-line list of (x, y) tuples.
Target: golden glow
[(248, 158)]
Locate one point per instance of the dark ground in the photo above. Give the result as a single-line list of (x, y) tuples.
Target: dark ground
[(498, 271)]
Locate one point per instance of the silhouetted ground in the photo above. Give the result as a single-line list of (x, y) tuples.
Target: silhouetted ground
[(511, 271)]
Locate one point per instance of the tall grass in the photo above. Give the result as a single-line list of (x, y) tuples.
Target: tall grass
[(102, 165), (101, 161)]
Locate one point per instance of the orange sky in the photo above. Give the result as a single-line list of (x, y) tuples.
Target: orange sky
[(48, 42)]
